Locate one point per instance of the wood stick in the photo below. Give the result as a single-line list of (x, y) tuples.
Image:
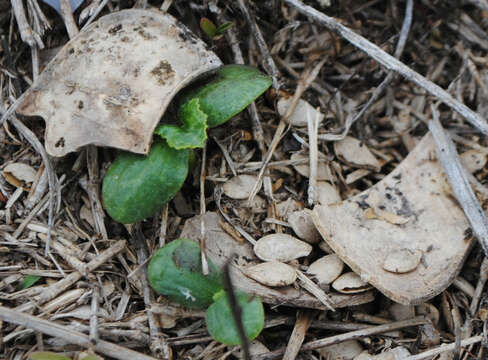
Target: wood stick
[(336, 339), (74, 337), (445, 348), (304, 318), (391, 63), (456, 175), (57, 288)]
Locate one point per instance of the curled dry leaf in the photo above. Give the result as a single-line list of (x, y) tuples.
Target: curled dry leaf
[(326, 269), (281, 247), (473, 160), (240, 187), (302, 112), (17, 174), (111, 83), (302, 224), (402, 261), (346, 350), (273, 273), (327, 193), (323, 170), (350, 283), (416, 189), (352, 153)]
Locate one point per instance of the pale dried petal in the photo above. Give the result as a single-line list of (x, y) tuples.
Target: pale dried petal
[(402, 261), (111, 83), (240, 187), (350, 283), (302, 112), (302, 224), (352, 153), (273, 273), (326, 269), (281, 247)]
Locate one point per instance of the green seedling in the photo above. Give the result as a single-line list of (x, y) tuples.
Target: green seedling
[(213, 31), (28, 281), (47, 355), (136, 187), (176, 272), (221, 324)]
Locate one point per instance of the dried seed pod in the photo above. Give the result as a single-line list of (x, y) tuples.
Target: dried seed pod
[(346, 350), (401, 312), (327, 193), (273, 273), (350, 283), (402, 261), (302, 224), (240, 187), (302, 112), (111, 83), (17, 174), (286, 207), (352, 152), (430, 311), (281, 247), (325, 247), (323, 170), (473, 160), (326, 269)]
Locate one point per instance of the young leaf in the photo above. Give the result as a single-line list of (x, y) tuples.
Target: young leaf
[(221, 29), (137, 186), (28, 281), (221, 324), (192, 133), (208, 27), (175, 270), (233, 88), (46, 355)]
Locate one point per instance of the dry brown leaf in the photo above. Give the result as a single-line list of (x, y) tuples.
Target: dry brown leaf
[(302, 112), (416, 189), (110, 84), (18, 174), (352, 153)]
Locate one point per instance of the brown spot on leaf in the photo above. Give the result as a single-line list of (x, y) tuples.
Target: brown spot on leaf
[(163, 72)]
